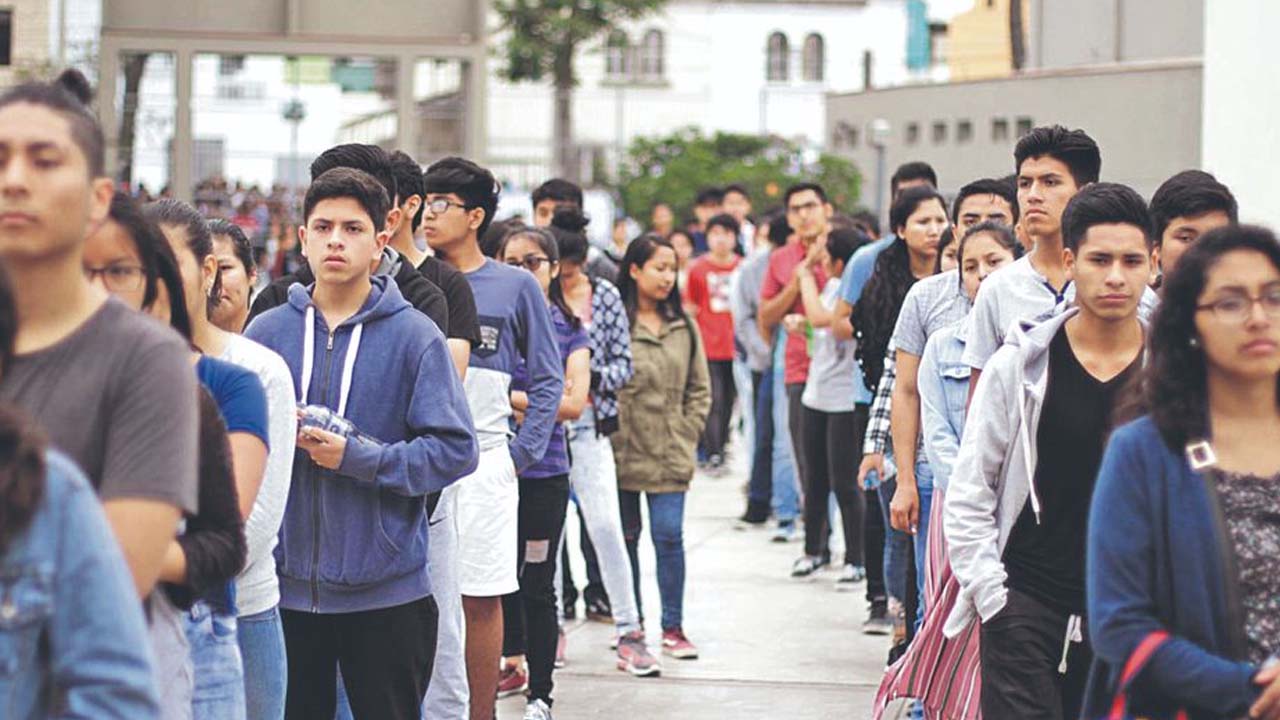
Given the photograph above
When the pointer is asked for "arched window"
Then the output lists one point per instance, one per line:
(778, 54)
(617, 56)
(652, 51)
(814, 59)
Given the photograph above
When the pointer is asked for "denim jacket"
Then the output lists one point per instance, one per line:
(73, 641)
(943, 384)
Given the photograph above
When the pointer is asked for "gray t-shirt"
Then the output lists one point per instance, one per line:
(118, 396)
(931, 304)
(829, 387)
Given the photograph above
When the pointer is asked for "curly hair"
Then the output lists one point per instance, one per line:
(1174, 388)
(21, 447)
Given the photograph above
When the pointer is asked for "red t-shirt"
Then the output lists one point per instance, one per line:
(782, 266)
(708, 290)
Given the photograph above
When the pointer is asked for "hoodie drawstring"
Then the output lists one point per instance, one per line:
(1073, 635)
(1030, 462)
(308, 359)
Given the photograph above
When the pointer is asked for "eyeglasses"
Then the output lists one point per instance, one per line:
(531, 262)
(1238, 308)
(803, 208)
(117, 278)
(440, 206)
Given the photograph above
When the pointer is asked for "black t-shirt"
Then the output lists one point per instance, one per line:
(1046, 560)
(463, 321)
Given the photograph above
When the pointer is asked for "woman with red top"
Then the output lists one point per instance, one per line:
(708, 296)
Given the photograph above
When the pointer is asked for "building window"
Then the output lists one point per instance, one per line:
(964, 131)
(937, 43)
(913, 133)
(6, 37)
(652, 62)
(814, 58)
(617, 56)
(845, 135)
(1024, 126)
(999, 130)
(230, 64)
(939, 132)
(778, 58)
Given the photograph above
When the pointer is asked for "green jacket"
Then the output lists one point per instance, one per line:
(662, 410)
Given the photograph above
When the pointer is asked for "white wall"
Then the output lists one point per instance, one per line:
(1241, 140)
(715, 76)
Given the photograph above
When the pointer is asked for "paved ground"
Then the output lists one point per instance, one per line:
(771, 646)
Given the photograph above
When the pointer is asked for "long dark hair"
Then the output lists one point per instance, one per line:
(876, 312)
(170, 211)
(638, 253)
(547, 242)
(158, 261)
(21, 446)
(1174, 388)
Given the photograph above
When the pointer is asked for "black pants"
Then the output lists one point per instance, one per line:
(530, 626)
(385, 656)
(795, 424)
(1021, 650)
(760, 488)
(872, 525)
(723, 392)
(832, 459)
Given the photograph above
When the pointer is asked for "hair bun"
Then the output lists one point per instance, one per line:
(570, 218)
(74, 82)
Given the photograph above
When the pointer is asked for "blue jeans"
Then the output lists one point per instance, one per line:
(215, 660)
(896, 546)
(760, 488)
(666, 518)
(924, 486)
(266, 666)
(786, 493)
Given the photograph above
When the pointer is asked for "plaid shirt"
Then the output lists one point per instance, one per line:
(878, 439)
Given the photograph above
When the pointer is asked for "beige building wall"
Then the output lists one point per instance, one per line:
(30, 42)
(978, 44)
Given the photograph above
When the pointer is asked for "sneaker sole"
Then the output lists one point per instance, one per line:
(625, 666)
(512, 692)
(873, 630)
(680, 654)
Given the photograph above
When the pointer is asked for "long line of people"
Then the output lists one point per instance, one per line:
(1047, 415)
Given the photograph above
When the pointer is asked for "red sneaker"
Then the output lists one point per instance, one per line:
(675, 644)
(512, 680)
(634, 657)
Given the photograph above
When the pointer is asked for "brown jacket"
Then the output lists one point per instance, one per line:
(662, 410)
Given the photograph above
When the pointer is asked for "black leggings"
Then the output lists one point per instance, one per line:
(530, 626)
(831, 462)
(723, 393)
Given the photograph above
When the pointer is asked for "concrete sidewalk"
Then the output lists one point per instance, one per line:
(770, 646)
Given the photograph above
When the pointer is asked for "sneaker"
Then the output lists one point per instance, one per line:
(785, 533)
(561, 647)
(570, 610)
(806, 566)
(537, 710)
(512, 680)
(634, 657)
(675, 644)
(598, 609)
(850, 577)
(878, 622)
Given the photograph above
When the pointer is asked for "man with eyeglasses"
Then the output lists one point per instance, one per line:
(515, 325)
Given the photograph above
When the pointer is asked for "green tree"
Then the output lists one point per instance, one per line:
(673, 168)
(542, 37)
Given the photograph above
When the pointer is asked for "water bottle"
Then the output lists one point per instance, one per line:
(321, 417)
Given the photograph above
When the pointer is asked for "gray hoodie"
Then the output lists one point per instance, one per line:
(994, 471)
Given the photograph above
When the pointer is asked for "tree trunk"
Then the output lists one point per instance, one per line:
(566, 156)
(133, 66)
(1017, 37)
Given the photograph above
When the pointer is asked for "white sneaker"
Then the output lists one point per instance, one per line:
(850, 577)
(537, 710)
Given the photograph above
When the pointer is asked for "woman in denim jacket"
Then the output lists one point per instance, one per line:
(60, 654)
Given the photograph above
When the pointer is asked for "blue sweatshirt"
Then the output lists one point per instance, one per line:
(1164, 608)
(515, 324)
(356, 539)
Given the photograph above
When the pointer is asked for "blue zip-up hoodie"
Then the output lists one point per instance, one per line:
(356, 539)
(1165, 615)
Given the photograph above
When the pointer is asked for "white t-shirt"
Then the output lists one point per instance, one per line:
(829, 387)
(257, 588)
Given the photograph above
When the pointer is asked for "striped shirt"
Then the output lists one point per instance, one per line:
(556, 460)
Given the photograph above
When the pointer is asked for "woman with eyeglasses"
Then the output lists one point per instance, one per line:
(530, 626)
(1184, 533)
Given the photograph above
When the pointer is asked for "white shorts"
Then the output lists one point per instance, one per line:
(488, 514)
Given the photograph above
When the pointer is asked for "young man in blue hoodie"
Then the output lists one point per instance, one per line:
(1018, 503)
(352, 558)
(515, 324)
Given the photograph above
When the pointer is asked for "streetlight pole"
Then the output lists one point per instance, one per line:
(877, 135)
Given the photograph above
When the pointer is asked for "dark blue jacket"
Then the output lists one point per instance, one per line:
(356, 539)
(1164, 604)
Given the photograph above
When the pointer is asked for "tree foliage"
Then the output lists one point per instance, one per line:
(541, 35)
(672, 169)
